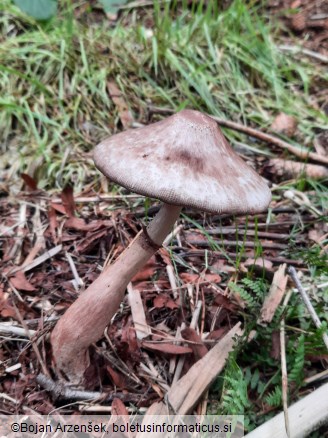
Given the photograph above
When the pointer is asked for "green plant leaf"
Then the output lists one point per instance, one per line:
(38, 9)
(112, 6)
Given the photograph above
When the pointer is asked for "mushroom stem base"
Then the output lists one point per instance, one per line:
(85, 321)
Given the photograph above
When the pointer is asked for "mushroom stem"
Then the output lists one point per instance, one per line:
(85, 321)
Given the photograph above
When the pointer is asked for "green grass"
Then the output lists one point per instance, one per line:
(54, 107)
(53, 77)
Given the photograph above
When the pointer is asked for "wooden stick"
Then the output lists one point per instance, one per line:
(305, 416)
(172, 280)
(138, 313)
(39, 260)
(284, 376)
(14, 330)
(77, 282)
(193, 325)
(275, 295)
(62, 392)
(307, 302)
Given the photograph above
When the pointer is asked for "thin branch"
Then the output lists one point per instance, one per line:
(307, 302)
(303, 51)
(61, 392)
(284, 376)
(14, 330)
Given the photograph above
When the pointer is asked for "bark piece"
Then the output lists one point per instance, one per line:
(189, 389)
(184, 395)
(166, 347)
(276, 293)
(138, 313)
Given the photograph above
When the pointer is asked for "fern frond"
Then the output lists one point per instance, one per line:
(274, 398)
(296, 373)
(234, 399)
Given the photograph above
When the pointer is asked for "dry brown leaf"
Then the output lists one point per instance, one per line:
(20, 282)
(197, 346)
(117, 378)
(275, 295)
(58, 207)
(80, 224)
(118, 408)
(68, 201)
(222, 301)
(144, 274)
(90, 240)
(165, 256)
(284, 124)
(194, 278)
(217, 334)
(122, 107)
(53, 223)
(29, 181)
(164, 301)
(166, 347)
(6, 310)
(275, 345)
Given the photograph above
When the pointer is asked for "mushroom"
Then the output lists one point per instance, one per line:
(183, 160)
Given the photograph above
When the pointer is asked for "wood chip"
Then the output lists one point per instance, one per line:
(197, 346)
(166, 347)
(138, 313)
(185, 394)
(276, 293)
(39, 260)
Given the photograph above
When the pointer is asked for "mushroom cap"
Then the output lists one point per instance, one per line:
(183, 160)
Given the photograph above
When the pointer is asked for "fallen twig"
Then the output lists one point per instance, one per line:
(318, 376)
(77, 282)
(305, 416)
(220, 255)
(38, 261)
(303, 51)
(33, 343)
(307, 302)
(284, 376)
(17, 331)
(61, 392)
(138, 313)
(172, 280)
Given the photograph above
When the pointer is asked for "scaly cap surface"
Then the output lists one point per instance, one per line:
(183, 160)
